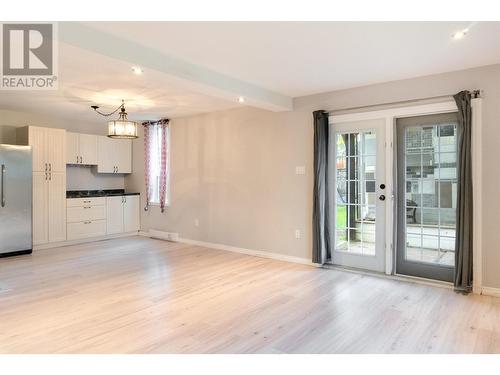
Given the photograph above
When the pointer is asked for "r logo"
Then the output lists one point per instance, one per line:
(27, 50)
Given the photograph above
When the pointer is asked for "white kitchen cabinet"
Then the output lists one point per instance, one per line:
(81, 148)
(40, 208)
(86, 229)
(114, 155)
(49, 182)
(123, 214)
(48, 147)
(72, 148)
(89, 201)
(114, 215)
(86, 217)
(49, 210)
(56, 150)
(57, 207)
(131, 213)
(36, 138)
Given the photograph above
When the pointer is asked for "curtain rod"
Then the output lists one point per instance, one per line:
(475, 94)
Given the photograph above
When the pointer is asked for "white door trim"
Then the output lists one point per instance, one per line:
(390, 115)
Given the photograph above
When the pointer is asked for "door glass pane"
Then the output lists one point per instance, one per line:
(431, 189)
(355, 192)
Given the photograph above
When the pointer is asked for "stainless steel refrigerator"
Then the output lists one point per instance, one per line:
(15, 200)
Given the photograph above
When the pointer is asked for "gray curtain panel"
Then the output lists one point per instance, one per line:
(463, 244)
(321, 236)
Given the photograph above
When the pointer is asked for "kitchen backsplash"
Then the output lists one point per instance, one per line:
(85, 178)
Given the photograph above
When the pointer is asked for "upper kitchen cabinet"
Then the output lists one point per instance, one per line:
(81, 148)
(114, 155)
(48, 147)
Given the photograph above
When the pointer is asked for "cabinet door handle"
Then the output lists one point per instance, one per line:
(3, 185)
(46, 167)
(50, 167)
(81, 159)
(50, 176)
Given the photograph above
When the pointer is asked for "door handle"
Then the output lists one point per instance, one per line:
(3, 186)
(382, 197)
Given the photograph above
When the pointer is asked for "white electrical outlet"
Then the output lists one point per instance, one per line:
(297, 234)
(300, 170)
(196, 222)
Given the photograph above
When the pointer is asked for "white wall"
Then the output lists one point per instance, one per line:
(235, 170)
(86, 178)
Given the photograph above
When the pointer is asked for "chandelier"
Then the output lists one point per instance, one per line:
(122, 128)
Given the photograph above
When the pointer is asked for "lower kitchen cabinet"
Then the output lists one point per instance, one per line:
(131, 213)
(114, 215)
(122, 214)
(86, 229)
(100, 216)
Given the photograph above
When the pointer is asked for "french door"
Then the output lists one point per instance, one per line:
(427, 195)
(358, 197)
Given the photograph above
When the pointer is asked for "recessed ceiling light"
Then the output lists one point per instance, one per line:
(137, 70)
(241, 99)
(460, 34)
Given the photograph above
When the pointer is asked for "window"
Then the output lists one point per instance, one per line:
(155, 134)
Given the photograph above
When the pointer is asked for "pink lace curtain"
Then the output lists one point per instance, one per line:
(155, 161)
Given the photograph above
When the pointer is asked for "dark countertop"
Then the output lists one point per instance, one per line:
(97, 193)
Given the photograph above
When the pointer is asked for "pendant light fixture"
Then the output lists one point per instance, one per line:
(122, 128)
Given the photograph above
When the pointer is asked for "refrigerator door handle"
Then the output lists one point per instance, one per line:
(2, 198)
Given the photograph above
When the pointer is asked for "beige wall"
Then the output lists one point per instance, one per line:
(235, 170)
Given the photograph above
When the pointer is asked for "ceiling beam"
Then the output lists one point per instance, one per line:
(195, 77)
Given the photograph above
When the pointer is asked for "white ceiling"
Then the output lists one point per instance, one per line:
(271, 61)
(301, 58)
(86, 78)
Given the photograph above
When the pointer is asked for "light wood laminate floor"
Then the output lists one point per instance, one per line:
(139, 295)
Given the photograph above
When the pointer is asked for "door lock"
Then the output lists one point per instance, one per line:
(382, 197)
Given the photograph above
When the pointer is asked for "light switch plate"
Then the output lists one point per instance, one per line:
(300, 170)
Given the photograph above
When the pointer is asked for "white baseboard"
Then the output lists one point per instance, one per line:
(234, 249)
(256, 253)
(83, 240)
(493, 292)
